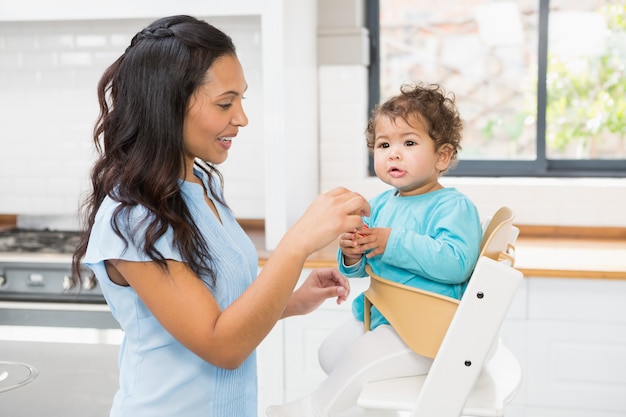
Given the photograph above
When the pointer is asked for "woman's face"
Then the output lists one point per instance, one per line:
(215, 113)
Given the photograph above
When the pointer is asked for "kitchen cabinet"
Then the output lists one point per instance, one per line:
(569, 335)
(576, 347)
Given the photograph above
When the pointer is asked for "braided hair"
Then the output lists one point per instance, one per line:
(143, 98)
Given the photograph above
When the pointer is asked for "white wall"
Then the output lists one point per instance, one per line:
(314, 140)
(48, 76)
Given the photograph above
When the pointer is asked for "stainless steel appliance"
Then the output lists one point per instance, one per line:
(58, 344)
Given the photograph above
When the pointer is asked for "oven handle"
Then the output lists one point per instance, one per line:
(27, 305)
(80, 315)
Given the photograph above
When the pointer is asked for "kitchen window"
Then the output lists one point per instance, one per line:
(540, 84)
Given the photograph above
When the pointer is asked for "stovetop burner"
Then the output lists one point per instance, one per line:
(38, 241)
(36, 265)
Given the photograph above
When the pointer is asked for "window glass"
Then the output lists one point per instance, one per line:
(541, 84)
(586, 85)
(484, 52)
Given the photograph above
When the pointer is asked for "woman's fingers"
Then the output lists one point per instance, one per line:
(331, 214)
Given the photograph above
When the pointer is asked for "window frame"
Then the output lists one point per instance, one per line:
(539, 167)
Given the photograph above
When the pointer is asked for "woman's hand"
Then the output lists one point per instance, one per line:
(320, 285)
(332, 213)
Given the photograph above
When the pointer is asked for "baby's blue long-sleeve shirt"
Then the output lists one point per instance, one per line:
(433, 245)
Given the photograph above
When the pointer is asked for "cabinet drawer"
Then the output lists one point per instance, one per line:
(581, 300)
(577, 365)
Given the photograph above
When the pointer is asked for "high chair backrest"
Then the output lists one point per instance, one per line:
(421, 318)
(499, 235)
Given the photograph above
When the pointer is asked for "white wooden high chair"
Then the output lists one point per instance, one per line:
(473, 373)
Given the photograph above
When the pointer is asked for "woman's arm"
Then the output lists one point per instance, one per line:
(186, 308)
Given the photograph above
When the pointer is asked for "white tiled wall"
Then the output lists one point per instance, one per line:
(48, 74)
(343, 116)
(48, 106)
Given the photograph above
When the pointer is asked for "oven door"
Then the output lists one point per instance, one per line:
(57, 359)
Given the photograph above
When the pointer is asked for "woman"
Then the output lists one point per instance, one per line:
(177, 271)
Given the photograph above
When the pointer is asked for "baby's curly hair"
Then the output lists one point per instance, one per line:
(429, 104)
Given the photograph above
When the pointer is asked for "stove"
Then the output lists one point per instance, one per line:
(38, 241)
(35, 265)
(54, 336)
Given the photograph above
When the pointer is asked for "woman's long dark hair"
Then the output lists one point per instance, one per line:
(143, 99)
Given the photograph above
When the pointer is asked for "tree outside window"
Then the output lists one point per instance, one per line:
(586, 100)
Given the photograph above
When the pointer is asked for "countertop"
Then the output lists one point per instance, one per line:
(541, 251)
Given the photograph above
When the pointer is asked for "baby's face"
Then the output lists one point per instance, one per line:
(405, 156)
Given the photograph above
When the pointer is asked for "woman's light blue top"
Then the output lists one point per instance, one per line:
(159, 377)
(433, 245)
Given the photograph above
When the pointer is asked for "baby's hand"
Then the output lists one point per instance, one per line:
(373, 241)
(349, 245)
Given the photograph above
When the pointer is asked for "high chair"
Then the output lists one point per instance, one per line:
(473, 373)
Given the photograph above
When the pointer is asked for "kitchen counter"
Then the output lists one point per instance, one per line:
(7, 221)
(571, 258)
(542, 251)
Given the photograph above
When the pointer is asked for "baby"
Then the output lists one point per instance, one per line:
(418, 234)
